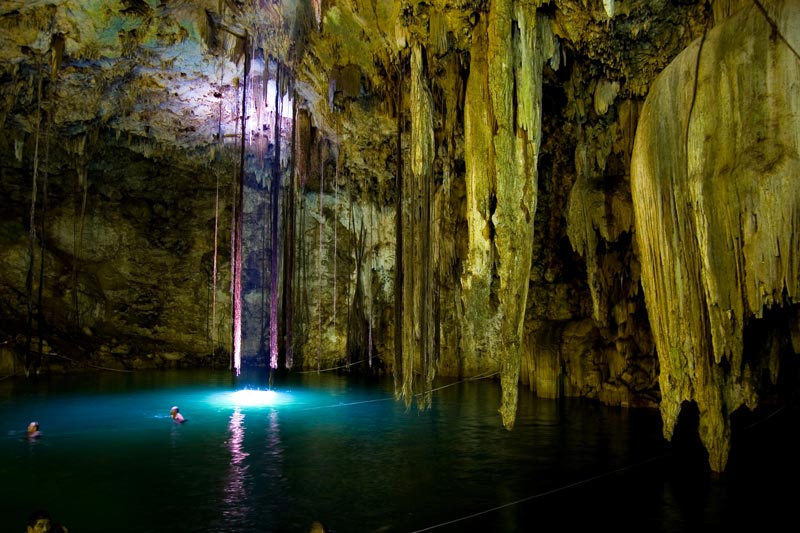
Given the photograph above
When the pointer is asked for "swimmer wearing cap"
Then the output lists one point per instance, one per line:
(176, 415)
(33, 430)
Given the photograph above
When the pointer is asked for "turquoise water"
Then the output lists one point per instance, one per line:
(343, 451)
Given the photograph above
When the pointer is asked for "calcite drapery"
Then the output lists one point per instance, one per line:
(502, 142)
(717, 209)
(417, 290)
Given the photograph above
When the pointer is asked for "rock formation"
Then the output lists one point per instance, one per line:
(716, 207)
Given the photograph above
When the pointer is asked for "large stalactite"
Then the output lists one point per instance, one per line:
(502, 146)
(717, 209)
(417, 293)
(476, 321)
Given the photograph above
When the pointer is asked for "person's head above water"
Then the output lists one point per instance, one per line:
(175, 414)
(39, 522)
(33, 429)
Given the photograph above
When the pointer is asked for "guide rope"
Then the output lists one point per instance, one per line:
(577, 483)
(542, 494)
(84, 363)
(328, 369)
(474, 378)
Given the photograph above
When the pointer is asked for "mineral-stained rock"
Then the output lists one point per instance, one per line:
(717, 209)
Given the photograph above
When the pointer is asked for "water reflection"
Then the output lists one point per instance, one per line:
(237, 437)
(273, 436)
(174, 437)
(235, 487)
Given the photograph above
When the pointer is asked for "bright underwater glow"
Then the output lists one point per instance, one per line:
(249, 397)
(253, 398)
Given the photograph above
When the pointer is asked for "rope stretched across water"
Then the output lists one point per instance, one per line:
(319, 371)
(387, 398)
(573, 485)
(509, 504)
(84, 363)
(541, 494)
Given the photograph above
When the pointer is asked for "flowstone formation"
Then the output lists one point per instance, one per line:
(714, 182)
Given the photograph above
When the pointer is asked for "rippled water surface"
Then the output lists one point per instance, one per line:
(343, 451)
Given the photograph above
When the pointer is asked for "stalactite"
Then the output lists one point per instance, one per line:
(444, 226)
(275, 244)
(266, 285)
(319, 257)
(238, 225)
(56, 54)
(32, 234)
(608, 5)
(303, 310)
(427, 303)
(370, 298)
(438, 33)
(501, 146)
(303, 273)
(477, 324)
(289, 246)
(355, 317)
(43, 225)
(335, 225)
(266, 229)
(713, 182)
(399, 371)
(234, 216)
(500, 58)
(77, 246)
(214, 273)
(351, 309)
(418, 287)
(218, 153)
(264, 281)
(515, 93)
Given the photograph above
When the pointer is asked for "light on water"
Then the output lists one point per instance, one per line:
(251, 398)
(258, 398)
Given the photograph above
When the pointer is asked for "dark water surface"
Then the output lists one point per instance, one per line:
(343, 451)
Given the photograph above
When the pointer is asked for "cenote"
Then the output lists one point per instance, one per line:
(342, 451)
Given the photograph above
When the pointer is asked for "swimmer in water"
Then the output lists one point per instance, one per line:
(176, 415)
(33, 430)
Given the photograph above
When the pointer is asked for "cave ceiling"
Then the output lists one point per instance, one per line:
(162, 77)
